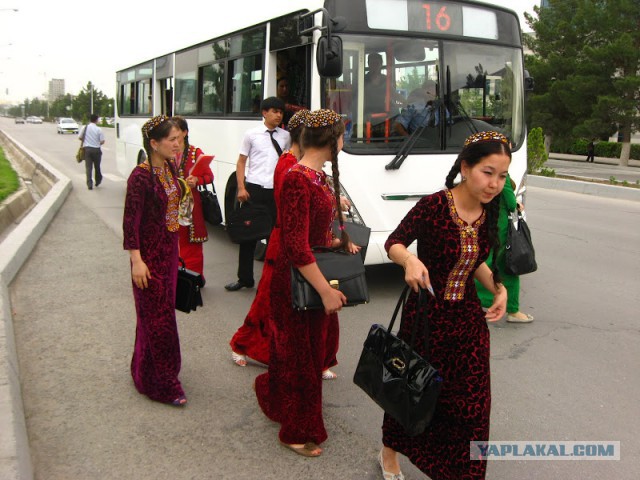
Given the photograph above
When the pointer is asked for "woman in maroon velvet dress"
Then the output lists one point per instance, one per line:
(192, 236)
(150, 227)
(290, 393)
(253, 338)
(454, 229)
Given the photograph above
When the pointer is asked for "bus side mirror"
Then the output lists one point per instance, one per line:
(529, 82)
(329, 56)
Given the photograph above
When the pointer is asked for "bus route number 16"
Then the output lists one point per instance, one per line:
(442, 19)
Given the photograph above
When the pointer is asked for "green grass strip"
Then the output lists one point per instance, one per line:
(8, 177)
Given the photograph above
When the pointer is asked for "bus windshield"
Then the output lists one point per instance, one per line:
(432, 93)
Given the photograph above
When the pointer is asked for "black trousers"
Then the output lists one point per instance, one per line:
(92, 159)
(262, 196)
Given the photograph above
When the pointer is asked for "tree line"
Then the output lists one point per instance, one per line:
(77, 107)
(586, 66)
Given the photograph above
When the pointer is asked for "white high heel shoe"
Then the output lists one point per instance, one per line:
(388, 475)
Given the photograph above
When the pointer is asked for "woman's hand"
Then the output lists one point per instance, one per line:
(333, 300)
(416, 274)
(345, 204)
(353, 248)
(497, 310)
(140, 274)
(192, 181)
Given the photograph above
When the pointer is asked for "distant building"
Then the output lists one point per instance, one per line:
(56, 89)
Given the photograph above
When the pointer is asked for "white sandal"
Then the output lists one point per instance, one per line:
(238, 359)
(329, 375)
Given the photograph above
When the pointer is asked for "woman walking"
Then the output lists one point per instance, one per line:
(454, 229)
(290, 393)
(150, 228)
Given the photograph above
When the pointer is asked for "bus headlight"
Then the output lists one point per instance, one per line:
(351, 215)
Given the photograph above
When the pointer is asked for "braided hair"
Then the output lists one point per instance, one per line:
(323, 128)
(477, 147)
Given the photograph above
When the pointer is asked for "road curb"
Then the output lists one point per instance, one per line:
(15, 455)
(586, 188)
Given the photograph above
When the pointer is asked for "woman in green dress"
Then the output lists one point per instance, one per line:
(508, 204)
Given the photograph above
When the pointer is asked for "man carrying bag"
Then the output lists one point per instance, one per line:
(259, 152)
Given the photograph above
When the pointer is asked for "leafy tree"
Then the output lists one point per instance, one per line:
(536, 155)
(587, 69)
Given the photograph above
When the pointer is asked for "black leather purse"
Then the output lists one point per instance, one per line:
(188, 295)
(519, 255)
(399, 380)
(210, 205)
(249, 222)
(343, 271)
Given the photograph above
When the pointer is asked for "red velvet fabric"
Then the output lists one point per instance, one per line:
(253, 337)
(459, 348)
(193, 236)
(156, 357)
(290, 393)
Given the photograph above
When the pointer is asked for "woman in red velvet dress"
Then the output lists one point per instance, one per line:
(150, 227)
(290, 393)
(454, 229)
(192, 236)
(253, 338)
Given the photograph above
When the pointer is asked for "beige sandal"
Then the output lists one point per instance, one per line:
(239, 359)
(309, 449)
(329, 375)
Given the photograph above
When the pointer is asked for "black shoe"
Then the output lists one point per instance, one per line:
(90, 188)
(98, 184)
(235, 286)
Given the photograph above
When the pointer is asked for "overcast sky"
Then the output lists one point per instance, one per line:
(81, 40)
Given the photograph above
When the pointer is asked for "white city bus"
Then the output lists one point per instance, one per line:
(469, 53)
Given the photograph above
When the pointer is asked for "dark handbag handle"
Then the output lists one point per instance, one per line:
(420, 305)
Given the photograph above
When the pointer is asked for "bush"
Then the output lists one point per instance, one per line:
(9, 182)
(603, 149)
(536, 155)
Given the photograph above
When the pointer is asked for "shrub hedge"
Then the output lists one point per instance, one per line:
(603, 149)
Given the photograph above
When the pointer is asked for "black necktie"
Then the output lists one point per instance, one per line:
(276, 145)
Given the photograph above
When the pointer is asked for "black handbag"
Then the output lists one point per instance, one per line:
(188, 295)
(249, 222)
(210, 205)
(519, 255)
(399, 380)
(359, 235)
(343, 271)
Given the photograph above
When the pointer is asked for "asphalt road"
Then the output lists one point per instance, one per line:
(570, 375)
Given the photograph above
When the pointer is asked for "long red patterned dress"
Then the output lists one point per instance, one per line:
(459, 342)
(253, 337)
(193, 236)
(150, 224)
(290, 393)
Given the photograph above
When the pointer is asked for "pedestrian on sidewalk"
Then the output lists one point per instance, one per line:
(591, 149)
(259, 152)
(92, 139)
(508, 204)
(194, 235)
(150, 227)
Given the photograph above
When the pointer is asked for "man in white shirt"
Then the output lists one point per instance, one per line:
(259, 152)
(92, 139)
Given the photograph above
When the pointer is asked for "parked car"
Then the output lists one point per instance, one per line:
(34, 119)
(67, 125)
(19, 120)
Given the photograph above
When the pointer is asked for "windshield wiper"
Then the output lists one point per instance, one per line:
(405, 149)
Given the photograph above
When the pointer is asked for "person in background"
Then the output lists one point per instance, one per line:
(455, 229)
(591, 150)
(192, 236)
(150, 228)
(508, 204)
(92, 140)
(290, 103)
(259, 152)
(290, 393)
